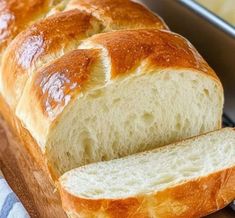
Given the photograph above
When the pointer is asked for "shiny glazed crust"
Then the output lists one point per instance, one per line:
(195, 198)
(16, 15)
(51, 37)
(41, 43)
(119, 14)
(159, 49)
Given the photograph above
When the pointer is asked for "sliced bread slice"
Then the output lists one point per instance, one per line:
(191, 178)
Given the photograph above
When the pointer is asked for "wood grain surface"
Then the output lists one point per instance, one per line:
(31, 184)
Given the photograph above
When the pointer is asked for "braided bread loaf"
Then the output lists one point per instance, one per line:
(97, 80)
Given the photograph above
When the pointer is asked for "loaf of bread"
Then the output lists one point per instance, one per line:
(192, 178)
(97, 80)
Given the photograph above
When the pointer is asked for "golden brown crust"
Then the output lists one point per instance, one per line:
(55, 85)
(16, 15)
(195, 198)
(40, 44)
(159, 49)
(119, 14)
(50, 38)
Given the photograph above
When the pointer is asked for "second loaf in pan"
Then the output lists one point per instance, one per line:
(86, 97)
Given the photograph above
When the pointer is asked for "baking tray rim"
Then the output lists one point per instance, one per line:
(209, 16)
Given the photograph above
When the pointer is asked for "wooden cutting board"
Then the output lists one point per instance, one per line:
(32, 185)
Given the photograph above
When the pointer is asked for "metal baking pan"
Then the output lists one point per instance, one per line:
(212, 36)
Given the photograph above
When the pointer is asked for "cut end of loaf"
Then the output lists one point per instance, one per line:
(192, 178)
(134, 114)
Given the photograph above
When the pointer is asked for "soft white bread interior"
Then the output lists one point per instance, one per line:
(133, 115)
(120, 93)
(191, 178)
